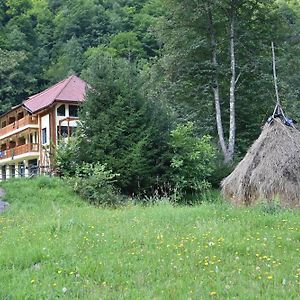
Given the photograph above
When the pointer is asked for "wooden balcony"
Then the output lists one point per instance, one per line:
(11, 153)
(27, 120)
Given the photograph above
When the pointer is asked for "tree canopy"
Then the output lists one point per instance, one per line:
(208, 62)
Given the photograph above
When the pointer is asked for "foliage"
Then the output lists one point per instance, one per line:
(193, 160)
(93, 182)
(46, 40)
(127, 45)
(66, 156)
(10, 65)
(186, 67)
(53, 36)
(221, 170)
(122, 129)
(270, 206)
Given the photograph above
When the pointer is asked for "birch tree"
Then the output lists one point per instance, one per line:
(227, 149)
(217, 59)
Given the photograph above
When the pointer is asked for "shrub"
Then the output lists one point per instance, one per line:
(192, 162)
(221, 171)
(94, 183)
(66, 156)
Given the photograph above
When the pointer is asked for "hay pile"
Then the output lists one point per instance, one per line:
(270, 169)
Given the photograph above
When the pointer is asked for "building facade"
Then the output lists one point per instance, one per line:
(30, 131)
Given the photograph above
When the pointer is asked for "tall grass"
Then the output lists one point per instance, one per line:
(54, 245)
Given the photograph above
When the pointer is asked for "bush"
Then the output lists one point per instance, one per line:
(94, 183)
(221, 171)
(192, 162)
(66, 156)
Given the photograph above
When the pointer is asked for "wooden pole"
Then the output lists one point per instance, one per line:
(275, 76)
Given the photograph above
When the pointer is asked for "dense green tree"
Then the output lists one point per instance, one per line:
(84, 19)
(69, 62)
(10, 62)
(288, 64)
(127, 45)
(23, 31)
(55, 34)
(122, 129)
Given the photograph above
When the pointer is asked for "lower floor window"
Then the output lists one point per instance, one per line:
(44, 135)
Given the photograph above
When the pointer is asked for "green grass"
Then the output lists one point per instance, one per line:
(53, 245)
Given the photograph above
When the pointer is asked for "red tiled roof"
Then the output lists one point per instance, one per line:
(71, 89)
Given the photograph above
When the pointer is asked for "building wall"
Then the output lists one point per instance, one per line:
(45, 123)
(60, 120)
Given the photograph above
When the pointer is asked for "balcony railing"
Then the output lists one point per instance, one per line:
(27, 120)
(26, 148)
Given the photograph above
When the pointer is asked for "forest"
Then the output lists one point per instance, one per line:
(180, 89)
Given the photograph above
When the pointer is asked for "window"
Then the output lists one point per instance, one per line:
(44, 135)
(3, 172)
(21, 169)
(63, 131)
(61, 110)
(20, 115)
(12, 144)
(73, 111)
(11, 120)
(73, 130)
(33, 167)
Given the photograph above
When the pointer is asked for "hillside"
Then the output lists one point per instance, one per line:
(44, 41)
(54, 245)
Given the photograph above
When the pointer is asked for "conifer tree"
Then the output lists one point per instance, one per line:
(122, 129)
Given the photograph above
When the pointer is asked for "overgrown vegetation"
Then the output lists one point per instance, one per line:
(94, 183)
(192, 162)
(54, 245)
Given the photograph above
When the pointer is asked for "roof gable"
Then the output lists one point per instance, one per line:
(71, 89)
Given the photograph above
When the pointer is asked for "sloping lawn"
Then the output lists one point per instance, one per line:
(53, 245)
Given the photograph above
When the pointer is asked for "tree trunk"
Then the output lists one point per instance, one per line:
(227, 150)
(215, 81)
(232, 125)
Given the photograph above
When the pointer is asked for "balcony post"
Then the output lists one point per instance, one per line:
(26, 166)
(7, 169)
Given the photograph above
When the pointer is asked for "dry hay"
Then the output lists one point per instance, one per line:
(270, 170)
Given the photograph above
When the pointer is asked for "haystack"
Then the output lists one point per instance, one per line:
(270, 170)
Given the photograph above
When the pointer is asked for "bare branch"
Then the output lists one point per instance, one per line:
(238, 77)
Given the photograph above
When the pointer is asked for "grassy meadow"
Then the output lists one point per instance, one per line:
(53, 245)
